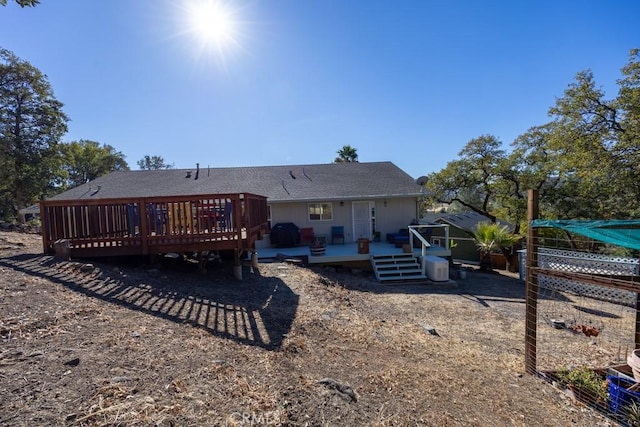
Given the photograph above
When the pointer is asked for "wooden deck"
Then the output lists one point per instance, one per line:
(154, 225)
(345, 253)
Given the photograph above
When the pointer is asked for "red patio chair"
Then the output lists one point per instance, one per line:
(307, 236)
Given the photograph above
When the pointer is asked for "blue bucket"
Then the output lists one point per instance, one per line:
(619, 396)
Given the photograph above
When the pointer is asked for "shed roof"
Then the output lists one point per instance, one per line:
(467, 221)
(333, 181)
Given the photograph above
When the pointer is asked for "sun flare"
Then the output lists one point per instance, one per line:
(212, 23)
(214, 28)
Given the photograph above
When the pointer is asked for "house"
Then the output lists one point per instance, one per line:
(29, 213)
(462, 226)
(366, 200)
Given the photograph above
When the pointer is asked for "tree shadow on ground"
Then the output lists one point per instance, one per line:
(256, 311)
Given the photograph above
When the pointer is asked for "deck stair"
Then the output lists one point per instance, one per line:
(397, 268)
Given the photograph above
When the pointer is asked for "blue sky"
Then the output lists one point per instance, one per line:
(404, 81)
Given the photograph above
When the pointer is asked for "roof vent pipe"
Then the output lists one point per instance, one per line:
(197, 170)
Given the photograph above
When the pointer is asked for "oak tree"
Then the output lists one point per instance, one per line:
(22, 3)
(153, 163)
(31, 125)
(87, 160)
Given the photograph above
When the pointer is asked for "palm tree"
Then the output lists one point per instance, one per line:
(489, 237)
(347, 154)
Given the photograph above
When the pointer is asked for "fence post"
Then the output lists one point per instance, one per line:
(531, 285)
(144, 225)
(637, 334)
(44, 227)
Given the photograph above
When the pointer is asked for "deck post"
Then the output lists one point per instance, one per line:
(202, 262)
(637, 334)
(254, 259)
(144, 226)
(237, 265)
(44, 228)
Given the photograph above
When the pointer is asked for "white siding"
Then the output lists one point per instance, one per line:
(398, 213)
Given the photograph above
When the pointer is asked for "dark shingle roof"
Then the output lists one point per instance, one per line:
(467, 221)
(277, 183)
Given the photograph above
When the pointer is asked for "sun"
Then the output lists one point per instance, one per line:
(214, 27)
(212, 23)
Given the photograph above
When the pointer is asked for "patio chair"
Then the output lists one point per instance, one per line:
(400, 238)
(307, 236)
(158, 218)
(133, 219)
(337, 232)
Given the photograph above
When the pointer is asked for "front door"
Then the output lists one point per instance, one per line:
(361, 220)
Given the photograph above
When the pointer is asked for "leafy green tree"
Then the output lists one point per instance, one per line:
(597, 141)
(539, 161)
(532, 164)
(473, 181)
(584, 161)
(86, 160)
(628, 143)
(628, 146)
(585, 134)
(629, 102)
(153, 163)
(22, 3)
(490, 237)
(31, 125)
(347, 154)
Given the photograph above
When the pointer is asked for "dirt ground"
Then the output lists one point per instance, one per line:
(92, 343)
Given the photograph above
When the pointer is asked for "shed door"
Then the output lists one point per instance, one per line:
(361, 220)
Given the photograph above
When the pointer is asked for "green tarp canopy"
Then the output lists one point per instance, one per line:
(625, 233)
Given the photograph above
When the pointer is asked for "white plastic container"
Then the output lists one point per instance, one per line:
(437, 268)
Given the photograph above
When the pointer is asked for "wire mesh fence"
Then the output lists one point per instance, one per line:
(583, 321)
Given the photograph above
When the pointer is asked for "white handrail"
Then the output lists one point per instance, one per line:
(413, 231)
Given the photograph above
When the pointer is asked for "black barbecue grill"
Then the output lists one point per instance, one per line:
(285, 235)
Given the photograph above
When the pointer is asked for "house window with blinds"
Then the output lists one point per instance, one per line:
(320, 212)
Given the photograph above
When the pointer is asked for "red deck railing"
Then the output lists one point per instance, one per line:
(141, 226)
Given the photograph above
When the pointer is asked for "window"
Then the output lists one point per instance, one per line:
(320, 212)
(373, 218)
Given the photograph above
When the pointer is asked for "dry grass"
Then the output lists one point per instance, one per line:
(289, 346)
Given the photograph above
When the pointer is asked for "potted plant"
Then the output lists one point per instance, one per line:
(586, 384)
(317, 248)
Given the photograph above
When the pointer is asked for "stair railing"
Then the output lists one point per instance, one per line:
(414, 230)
